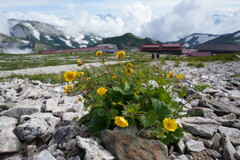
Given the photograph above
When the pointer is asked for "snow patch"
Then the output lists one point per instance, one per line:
(83, 46)
(80, 40)
(205, 38)
(67, 42)
(237, 35)
(26, 42)
(49, 38)
(186, 45)
(188, 38)
(36, 34)
(98, 38)
(68, 37)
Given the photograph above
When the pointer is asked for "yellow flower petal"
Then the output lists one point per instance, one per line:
(70, 76)
(98, 53)
(180, 76)
(170, 124)
(121, 122)
(121, 54)
(101, 91)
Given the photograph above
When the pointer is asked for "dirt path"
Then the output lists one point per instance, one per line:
(49, 69)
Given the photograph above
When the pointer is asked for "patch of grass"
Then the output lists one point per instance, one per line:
(177, 63)
(199, 87)
(197, 64)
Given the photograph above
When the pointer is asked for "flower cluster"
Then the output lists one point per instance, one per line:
(122, 95)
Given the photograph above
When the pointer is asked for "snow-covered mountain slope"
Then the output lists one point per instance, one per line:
(195, 39)
(47, 36)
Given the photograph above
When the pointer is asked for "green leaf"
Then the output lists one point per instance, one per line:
(149, 120)
(101, 111)
(98, 124)
(161, 109)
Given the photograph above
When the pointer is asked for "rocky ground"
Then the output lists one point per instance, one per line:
(36, 122)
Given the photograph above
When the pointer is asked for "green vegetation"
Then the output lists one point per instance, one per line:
(124, 94)
(197, 64)
(177, 63)
(199, 87)
(128, 41)
(22, 61)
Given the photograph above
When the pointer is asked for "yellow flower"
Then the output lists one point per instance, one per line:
(98, 53)
(121, 54)
(101, 91)
(88, 79)
(130, 65)
(70, 76)
(80, 74)
(114, 77)
(129, 71)
(180, 76)
(68, 88)
(121, 122)
(169, 75)
(170, 124)
(59, 77)
(79, 62)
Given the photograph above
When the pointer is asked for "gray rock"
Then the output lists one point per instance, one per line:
(231, 123)
(31, 130)
(31, 150)
(202, 112)
(237, 155)
(126, 146)
(234, 95)
(232, 133)
(69, 145)
(51, 104)
(74, 158)
(182, 157)
(93, 150)
(218, 107)
(9, 143)
(26, 107)
(181, 146)
(44, 155)
(58, 153)
(200, 126)
(64, 134)
(214, 153)
(38, 125)
(195, 146)
(194, 103)
(128, 130)
(15, 157)
(216, 139)
(52, 148)
(228, 149)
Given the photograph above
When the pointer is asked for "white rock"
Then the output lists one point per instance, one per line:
(93, 150)
(195, 146)
(44, 155)
(9, 143)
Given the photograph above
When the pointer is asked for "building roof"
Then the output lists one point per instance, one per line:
(171, 45)
(220, 47)
(151, 45)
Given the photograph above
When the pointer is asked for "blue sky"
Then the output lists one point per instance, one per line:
(158, 19)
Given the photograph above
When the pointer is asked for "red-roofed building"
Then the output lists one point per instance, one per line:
(163, 48)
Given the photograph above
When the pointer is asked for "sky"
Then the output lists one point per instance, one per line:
(164, 20)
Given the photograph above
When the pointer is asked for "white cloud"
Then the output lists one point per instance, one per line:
(4, 28)
(159, 19)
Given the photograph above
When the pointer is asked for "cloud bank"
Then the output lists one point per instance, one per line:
(188, 16)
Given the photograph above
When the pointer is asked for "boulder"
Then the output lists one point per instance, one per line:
(195, 146)
(203, 127)
(9, 142)
(93, 150)
(26, 107)
(233, 134)
(125, 146)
